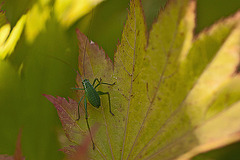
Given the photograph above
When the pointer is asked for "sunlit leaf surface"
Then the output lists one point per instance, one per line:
(68, 11)
(36, 21)
(176, 94)
(10, 43)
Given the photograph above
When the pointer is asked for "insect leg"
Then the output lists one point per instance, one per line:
(111, 84)
(79, 107)
(104, 83)
(96, 79)
(103, 93)
(86, 117)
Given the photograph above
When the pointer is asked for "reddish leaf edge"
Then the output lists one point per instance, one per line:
(80, 152)
(76, 152)
(18, 151)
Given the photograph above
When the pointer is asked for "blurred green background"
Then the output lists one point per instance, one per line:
(32, 69)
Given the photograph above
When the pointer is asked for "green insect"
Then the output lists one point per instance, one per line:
(93, 98)
(90, 95)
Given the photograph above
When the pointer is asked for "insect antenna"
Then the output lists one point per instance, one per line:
(85, 45)
(82, 77)
(59, 59)
(83, 67)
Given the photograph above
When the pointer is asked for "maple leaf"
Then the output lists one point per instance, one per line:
(176, 94)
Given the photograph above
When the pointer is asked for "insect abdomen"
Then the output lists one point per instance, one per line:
(92, 95)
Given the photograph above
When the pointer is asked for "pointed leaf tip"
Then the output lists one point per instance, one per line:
(67, 112)
(18, 151)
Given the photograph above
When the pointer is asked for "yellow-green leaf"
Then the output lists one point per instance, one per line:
(68, 11)
(9, 45)
(36, 20)
(176, 94)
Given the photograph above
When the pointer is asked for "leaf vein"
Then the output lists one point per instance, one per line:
(131, 84)
(108, 138)
(159, 82)
(129, 42)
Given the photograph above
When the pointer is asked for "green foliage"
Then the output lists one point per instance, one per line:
(176, 92)
(175, 96)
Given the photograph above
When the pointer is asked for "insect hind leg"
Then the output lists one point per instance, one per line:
(79, 108)
(104, 93)
(86, 117)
